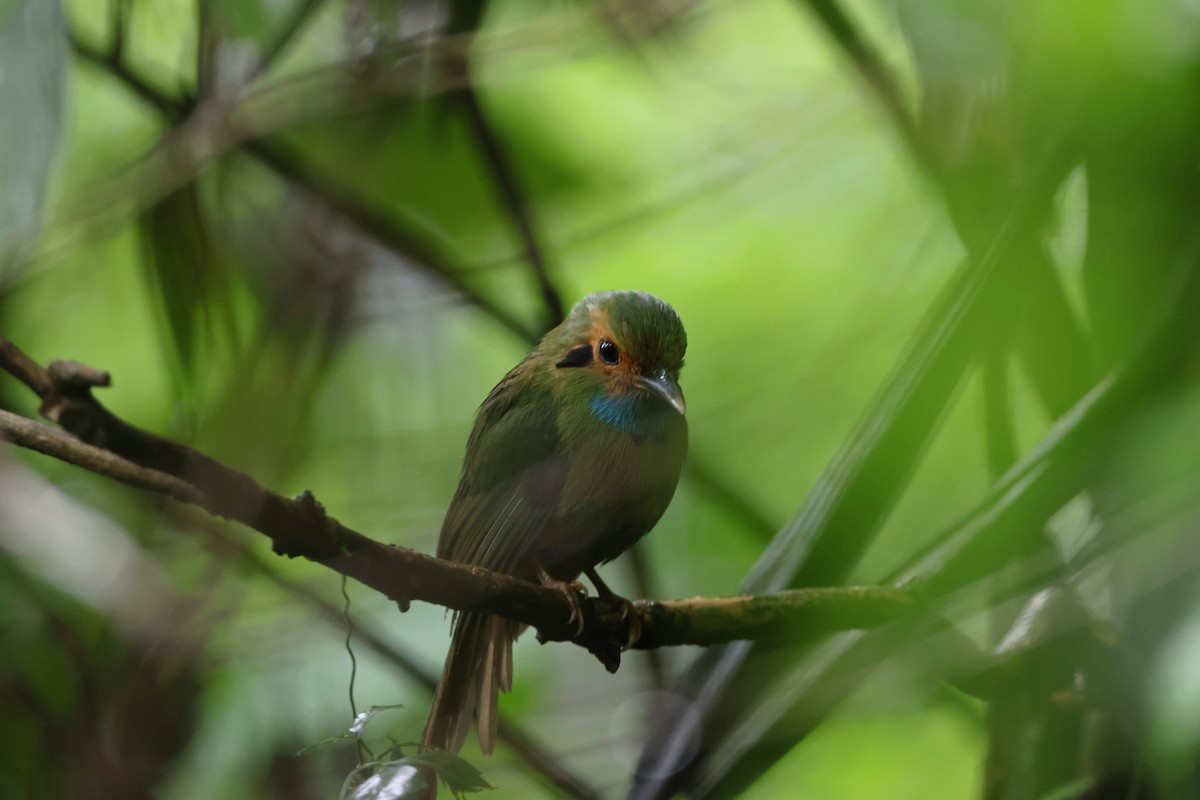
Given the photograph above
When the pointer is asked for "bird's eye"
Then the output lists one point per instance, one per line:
(608, 351)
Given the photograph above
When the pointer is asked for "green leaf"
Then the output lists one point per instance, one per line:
(841, 514)
(459, 776)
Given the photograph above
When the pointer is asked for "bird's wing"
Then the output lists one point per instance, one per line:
(512, 480)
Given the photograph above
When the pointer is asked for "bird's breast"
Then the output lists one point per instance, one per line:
(620, 480)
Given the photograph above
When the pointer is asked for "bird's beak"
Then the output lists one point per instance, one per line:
(666, 387)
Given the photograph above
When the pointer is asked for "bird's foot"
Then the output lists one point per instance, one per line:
(573, 591)
(628, 610)
(631, 618)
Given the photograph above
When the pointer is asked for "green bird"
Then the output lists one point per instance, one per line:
(574, 456)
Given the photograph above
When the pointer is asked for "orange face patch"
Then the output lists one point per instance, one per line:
(623, 374)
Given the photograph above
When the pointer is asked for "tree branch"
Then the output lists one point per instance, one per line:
(513, 198)
(384, 229)
(98, 441)
(113, 62)
(718, 620)
(874, 73)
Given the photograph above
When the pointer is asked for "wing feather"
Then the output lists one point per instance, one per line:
(512, 479)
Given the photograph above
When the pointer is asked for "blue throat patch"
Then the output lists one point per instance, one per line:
(624, 412)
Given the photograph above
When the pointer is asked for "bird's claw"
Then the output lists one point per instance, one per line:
(571, 592)
(627, 608)
(630, 616)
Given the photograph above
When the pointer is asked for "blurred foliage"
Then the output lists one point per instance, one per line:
(938, 261)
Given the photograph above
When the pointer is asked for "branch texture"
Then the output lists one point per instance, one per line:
(99, 442)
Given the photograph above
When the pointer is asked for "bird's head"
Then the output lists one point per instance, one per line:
(628, 345)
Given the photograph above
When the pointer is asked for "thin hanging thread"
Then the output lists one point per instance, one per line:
(363, 750)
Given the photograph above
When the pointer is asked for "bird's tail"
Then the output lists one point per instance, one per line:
(477, 669)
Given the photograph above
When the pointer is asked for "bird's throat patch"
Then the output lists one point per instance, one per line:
(624, 411)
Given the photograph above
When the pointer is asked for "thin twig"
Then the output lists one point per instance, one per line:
(51, 441)
(873, 72)
(514, 200)
(118, 24)
(24, 368)
(158, 99)
(407, 244)
(403, 241)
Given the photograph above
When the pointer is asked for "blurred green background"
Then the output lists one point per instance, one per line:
(939, 264)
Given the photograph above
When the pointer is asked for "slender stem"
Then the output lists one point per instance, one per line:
(874, 74)
(383, 229)
(118, 23)
(513, 198)
(174, 109)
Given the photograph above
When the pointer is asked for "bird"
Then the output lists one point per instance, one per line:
(573, 457)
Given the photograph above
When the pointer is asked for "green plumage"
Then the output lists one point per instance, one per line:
(574, 456)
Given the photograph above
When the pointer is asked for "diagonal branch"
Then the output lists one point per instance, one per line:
(385, 230)
(113, 62)
(400, 238)
(98, 441)
(873, 72)
(515, 203)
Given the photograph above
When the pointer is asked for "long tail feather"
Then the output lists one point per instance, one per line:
(478, 668)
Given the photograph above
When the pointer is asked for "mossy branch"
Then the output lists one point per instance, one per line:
(96, 440)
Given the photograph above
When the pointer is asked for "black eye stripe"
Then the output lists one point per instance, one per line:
(608, 352)
(579, 356)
